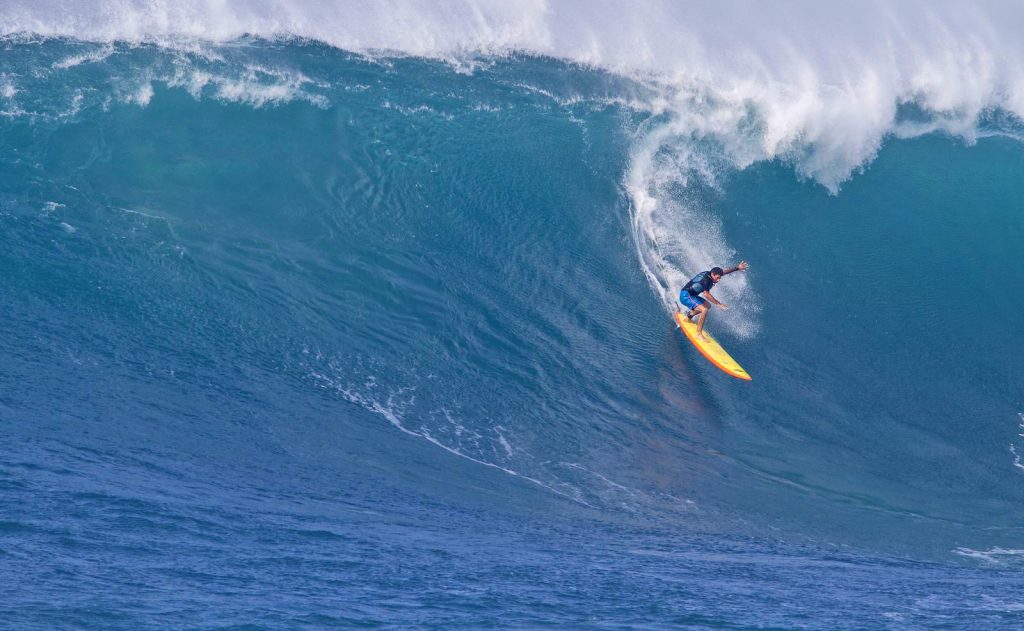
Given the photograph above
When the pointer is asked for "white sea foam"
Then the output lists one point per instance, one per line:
(505, 444)
(140, 94)
(1020, 434)
(993, 556)
(83, 58)
(817, 85)
(826, 74)
(256, 86)
(413, 111)
(7, 89)
(391, 409)
(825, 78)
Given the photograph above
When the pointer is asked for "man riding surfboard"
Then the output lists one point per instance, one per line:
(690, 294)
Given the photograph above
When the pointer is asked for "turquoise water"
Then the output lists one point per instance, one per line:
(299, 337)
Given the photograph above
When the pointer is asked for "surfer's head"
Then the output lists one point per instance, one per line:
(716, 273)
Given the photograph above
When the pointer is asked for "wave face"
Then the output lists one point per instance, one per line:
(322, 315)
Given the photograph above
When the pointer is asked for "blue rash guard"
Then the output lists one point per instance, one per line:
(691, 291)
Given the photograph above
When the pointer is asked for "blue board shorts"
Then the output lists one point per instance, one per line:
(690, 301)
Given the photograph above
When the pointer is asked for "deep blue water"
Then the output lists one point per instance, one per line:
(299, 338)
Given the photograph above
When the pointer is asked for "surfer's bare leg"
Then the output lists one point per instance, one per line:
(703, 311)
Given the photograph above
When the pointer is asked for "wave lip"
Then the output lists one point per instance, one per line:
(820, 87)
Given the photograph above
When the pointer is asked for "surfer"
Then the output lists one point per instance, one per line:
(690, 295)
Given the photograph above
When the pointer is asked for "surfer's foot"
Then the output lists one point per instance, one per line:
(690, 315)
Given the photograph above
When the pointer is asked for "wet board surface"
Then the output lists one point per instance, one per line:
(711, 349)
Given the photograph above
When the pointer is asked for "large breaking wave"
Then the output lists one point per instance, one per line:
(700, 96)
(817, 86)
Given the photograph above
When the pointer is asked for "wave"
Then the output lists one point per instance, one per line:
(818, 88)
(694, 98)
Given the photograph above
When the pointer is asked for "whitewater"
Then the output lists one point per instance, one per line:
(342, 314)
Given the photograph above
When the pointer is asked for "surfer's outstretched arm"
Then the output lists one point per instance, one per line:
(740, 267)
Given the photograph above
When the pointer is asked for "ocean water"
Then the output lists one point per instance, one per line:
(360, 316)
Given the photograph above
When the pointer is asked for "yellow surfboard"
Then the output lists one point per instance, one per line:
(709, 348)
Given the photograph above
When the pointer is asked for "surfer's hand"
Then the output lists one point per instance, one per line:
(722, 305)
(742, 266)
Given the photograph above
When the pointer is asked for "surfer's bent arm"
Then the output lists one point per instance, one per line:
(712, 299)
